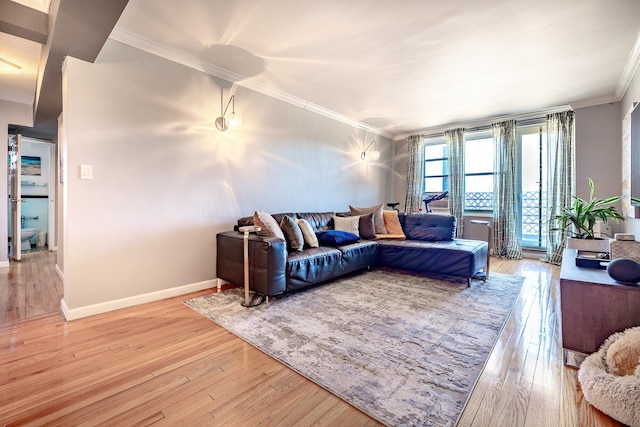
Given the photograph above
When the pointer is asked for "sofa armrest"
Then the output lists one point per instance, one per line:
(267, 261)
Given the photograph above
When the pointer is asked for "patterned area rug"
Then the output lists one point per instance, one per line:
(405, 349)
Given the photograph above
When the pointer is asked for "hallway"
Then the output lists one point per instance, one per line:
(30, 288)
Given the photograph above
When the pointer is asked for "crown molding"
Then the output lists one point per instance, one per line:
(633, 61)
(163, 51)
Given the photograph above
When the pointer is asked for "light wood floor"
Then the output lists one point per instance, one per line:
(163, 363)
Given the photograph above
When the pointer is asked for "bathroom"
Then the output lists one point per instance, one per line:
(35, 185)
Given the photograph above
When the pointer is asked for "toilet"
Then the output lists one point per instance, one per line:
(25, 235)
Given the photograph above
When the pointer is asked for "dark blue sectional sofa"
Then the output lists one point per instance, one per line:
(429, 248)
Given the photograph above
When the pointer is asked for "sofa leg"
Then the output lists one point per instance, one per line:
(468, 282)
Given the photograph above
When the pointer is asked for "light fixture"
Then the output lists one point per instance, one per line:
(7, 67)
(232, 120)
(373, 154)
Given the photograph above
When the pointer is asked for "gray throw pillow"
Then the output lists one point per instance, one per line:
(378, 219)
(292, 234)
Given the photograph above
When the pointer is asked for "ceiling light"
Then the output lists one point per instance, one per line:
(7, 67)
(373, 154)
(232, 120)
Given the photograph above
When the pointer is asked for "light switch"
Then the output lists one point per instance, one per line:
(86, 172)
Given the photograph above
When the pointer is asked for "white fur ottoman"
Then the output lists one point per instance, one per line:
(610, 377)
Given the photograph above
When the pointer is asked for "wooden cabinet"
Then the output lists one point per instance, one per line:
(593, 305)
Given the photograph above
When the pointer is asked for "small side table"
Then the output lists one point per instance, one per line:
(256, 299)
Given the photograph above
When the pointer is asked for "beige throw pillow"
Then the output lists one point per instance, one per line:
(268, 225)
(309, 235)
(347, 223)
(377, 216)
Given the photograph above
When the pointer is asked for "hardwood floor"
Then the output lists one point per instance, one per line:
(162, 363)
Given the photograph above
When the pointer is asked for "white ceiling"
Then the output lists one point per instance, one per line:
(20, 88)
(401, 66)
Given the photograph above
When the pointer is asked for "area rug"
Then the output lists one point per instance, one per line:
(403, 348)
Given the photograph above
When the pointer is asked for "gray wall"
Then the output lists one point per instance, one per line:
(598, 152)
(166, 181)
(632, 95)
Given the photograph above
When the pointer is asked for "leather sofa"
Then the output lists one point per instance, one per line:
(429, 248)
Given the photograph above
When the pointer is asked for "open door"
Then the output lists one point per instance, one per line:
(16, 195)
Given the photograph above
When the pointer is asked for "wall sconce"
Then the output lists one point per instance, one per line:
(7, 67)
(232, 120)
(373, 154)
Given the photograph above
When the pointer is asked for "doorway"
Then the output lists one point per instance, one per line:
(32, 195)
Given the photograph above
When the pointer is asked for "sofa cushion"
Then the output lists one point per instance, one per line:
(292, 233)
(430, 227)
(336, 237)
(377, 216)
(347, 223)
(268, 225)
(392, 223)
(367, 226)
(307, 232)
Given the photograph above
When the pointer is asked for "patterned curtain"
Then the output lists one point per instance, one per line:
(561, 180)
(415, 175)
(506, 243)
(455, 147)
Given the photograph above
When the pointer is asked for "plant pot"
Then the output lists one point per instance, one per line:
(589, 245)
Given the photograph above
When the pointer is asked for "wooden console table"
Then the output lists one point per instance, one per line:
(593, 305)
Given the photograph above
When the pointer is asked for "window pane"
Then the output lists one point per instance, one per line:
(478, 156)
(435, 167)
(478, 192)
(435, 185)
(437, 151)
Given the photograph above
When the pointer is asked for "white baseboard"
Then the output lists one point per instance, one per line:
(59, 273)
(4, 264)
(103, 307)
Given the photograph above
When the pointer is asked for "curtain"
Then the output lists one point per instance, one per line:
(506, 242)
(561, 180)
(415, 175)
(455, 148)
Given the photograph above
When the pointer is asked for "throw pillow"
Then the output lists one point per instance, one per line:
(292, 233)
(268, 225)
(347, 223)
(392, 223)
(367, 226)
(377, 216)
(307, 231)
(336, 237)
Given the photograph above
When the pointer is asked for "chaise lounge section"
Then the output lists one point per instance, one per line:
(429, 248)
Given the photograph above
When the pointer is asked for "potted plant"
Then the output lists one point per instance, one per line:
(578, 220)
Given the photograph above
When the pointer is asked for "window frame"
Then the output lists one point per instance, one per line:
(475, 136)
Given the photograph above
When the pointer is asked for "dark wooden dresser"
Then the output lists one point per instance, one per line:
(593, 305)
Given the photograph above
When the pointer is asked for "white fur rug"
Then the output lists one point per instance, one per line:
(610, 377)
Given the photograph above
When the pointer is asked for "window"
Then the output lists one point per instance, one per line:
(436, 171)
(478, 171)
(533, 173)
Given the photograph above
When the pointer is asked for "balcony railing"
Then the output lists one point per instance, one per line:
(533, 217)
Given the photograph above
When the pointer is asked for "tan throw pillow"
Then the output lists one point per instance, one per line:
(392, 223)
(268, 225)
(310, 237)
(347, 223)
(623, 355)
(378, 220)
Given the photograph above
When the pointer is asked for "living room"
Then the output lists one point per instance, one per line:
(166, 181)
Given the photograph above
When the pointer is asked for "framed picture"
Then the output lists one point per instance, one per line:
(31, 165)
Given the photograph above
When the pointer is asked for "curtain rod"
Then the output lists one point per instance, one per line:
(523, 122)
